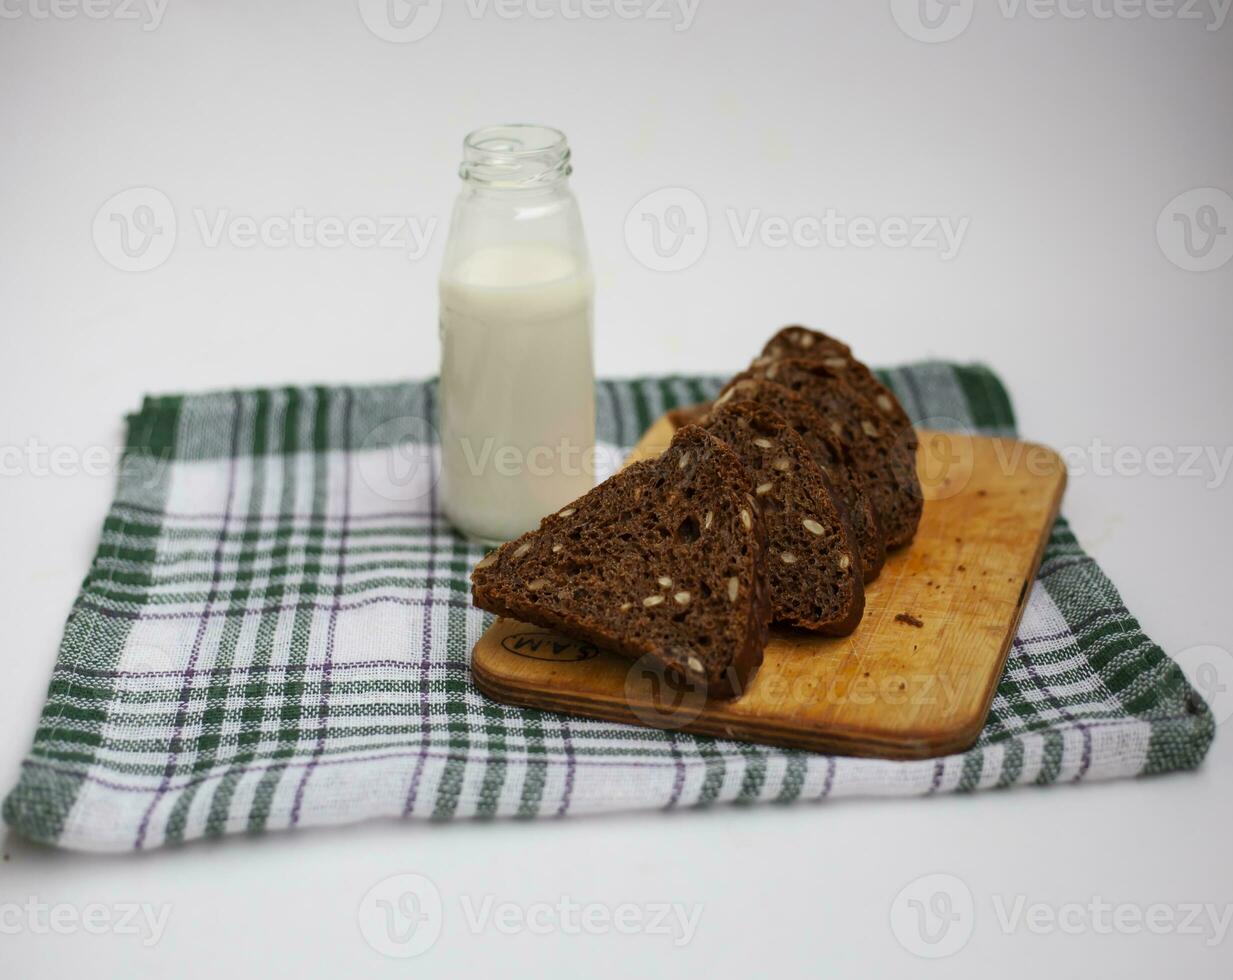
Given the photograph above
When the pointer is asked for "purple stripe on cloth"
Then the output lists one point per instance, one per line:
(678, 782)
(830, 778)
(429, 601)
(1074, 631)
(585, 763)
(239, 669)
(202, 626)
(323, 707)
(939, 770)
(1085, 762)
(445, 756)
(110, 613)
(391, 515)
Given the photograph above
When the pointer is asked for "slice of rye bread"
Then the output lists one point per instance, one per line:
(812, 562)
(885, 460)
(666, 559)
(833, 456)
(813, 345)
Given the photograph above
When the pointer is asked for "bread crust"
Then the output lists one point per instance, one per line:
(813, 345)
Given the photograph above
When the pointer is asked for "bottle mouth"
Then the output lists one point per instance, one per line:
(515, 155)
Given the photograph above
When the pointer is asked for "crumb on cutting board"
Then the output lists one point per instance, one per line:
(909, 620)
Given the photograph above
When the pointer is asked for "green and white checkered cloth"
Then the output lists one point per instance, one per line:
(276, 628)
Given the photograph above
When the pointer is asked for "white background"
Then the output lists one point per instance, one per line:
(1061, 140)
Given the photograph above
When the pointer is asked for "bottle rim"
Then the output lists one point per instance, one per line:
(515, 155)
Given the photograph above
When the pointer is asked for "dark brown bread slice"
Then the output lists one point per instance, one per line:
(833, 456)
(883, 455)
(798, 341)
(813, 345)
(812, 563)
(665, 559)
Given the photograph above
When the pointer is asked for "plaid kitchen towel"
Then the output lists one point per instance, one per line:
(276, 628)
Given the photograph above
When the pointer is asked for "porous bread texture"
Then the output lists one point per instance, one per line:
(665, 559)
(813, 567)
(884, 455)
(833, 457)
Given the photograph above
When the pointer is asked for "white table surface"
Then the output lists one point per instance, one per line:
(1061, 140)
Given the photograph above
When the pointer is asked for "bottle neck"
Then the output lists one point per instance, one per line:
(515, 158)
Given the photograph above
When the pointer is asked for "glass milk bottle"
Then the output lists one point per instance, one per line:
(517, 393)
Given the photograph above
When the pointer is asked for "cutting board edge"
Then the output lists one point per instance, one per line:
(830, 740)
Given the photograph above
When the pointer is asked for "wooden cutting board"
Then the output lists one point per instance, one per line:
(916, 678)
